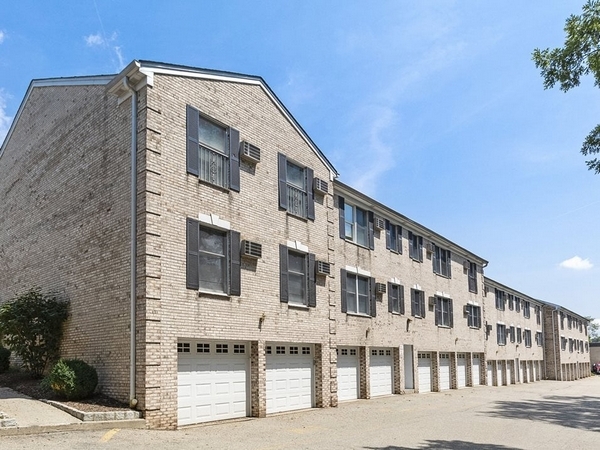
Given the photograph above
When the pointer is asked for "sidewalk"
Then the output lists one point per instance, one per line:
(24, 415)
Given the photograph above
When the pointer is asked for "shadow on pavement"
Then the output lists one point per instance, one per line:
(572, 412)
(439, 444)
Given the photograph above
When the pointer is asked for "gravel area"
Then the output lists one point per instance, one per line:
(25, 384)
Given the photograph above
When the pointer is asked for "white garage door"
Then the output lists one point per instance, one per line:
(424, 372)
(476, 370)
(212, 381)
(499, 373)
(510, 369)
(289, 377)
(347, 373)
(461, 370)
(381, 372)
(490, 380)
(535, 371)
(444, 371)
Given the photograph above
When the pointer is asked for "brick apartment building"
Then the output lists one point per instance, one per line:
(260, 282)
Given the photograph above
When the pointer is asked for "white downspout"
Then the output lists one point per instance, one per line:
(133, 250)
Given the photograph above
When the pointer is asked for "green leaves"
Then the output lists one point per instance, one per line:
(579, 57)
(31, 326)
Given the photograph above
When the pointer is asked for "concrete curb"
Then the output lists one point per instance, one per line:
(83, 426)
(96, 416)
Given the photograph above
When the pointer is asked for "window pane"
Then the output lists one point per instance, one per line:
(297, 288)
(296, 263)
(351, 302)
(349, 230)
(361, 235)
(212, 272)
(363, 286)
(213, 135)
(212, 241)
(363, 304)
(295, 176)
(361, 217)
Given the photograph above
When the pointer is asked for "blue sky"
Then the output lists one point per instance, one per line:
(432, 107)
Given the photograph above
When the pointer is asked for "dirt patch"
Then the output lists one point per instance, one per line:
(23, 382)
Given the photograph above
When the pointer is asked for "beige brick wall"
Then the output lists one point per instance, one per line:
(65, 223)
(176, 195)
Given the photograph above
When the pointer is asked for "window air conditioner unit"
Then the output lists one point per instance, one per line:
(466, 310)
(251, 249)
(432, 301)
(380, 288)
(379, 223)
(321, 186)
(323, 268)
(249, 152)
(466, 264)
(430, 247)
(488, 328)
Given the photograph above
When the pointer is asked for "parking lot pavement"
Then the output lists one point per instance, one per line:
(542, 415)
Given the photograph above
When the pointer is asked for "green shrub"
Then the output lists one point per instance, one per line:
(31, 326)
(4, 359)
(72, 379)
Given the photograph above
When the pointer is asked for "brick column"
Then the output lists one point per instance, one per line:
(398, 364)
(435, 372)
(364, 361)
(258, 379)
(453, 371)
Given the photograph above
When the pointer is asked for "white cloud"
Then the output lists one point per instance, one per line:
(5, 120)
(576, 263)
(94, 39)
(2, 36)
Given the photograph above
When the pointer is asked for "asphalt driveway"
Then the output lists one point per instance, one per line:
(542, 415)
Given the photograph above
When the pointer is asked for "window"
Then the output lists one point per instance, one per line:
(393, 237)
(571, 345)
(526, 310)
(395, 298)
(500, 304)
(511, 301)
(415, 246)
(563, 343)
(539, 338)
(527, 338)
(587, 347)
(444, 316)
(417, 303)
(569, 322)
(213, 259)
(183, 347)
(538, 314)
(473, 316)
(473, 277)
(517, 304)
(511, 334)
(519, 335)
(212, 151)
(501, 334)
(297, 285)
(442, 262)
(355, 225)
(358, 294)
(296, 188)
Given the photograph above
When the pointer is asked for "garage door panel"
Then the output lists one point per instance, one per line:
(424, 372)
(381, 372)
(289, 379)
(211, 386)
(461, 370)
(476, 370)
(444, 369)
(347, 373)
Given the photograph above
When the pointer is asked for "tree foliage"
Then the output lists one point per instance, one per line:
(31, 325)
(580, 56)
(593, 330)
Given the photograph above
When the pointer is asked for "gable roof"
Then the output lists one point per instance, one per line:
(141, 72)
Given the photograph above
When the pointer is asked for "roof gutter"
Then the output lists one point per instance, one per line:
(133, 246)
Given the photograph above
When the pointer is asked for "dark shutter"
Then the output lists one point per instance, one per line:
(372, 297)
(435, 260)
(193, 263)
(411, 249)
(371, 232)
(420, 249)
(341, 206)
(343, 279)
(449, 264)
(310, 212)
(399, 239)
(451, 313)
(413, 303)
(312, 283)
(234, 159)
(388, 234)
(192, 127)
(390, 298)
(283, 194)
(283, 273)
(235, 280)
(498, 334)
(401, 298)
(438, 312)
(422, 300)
